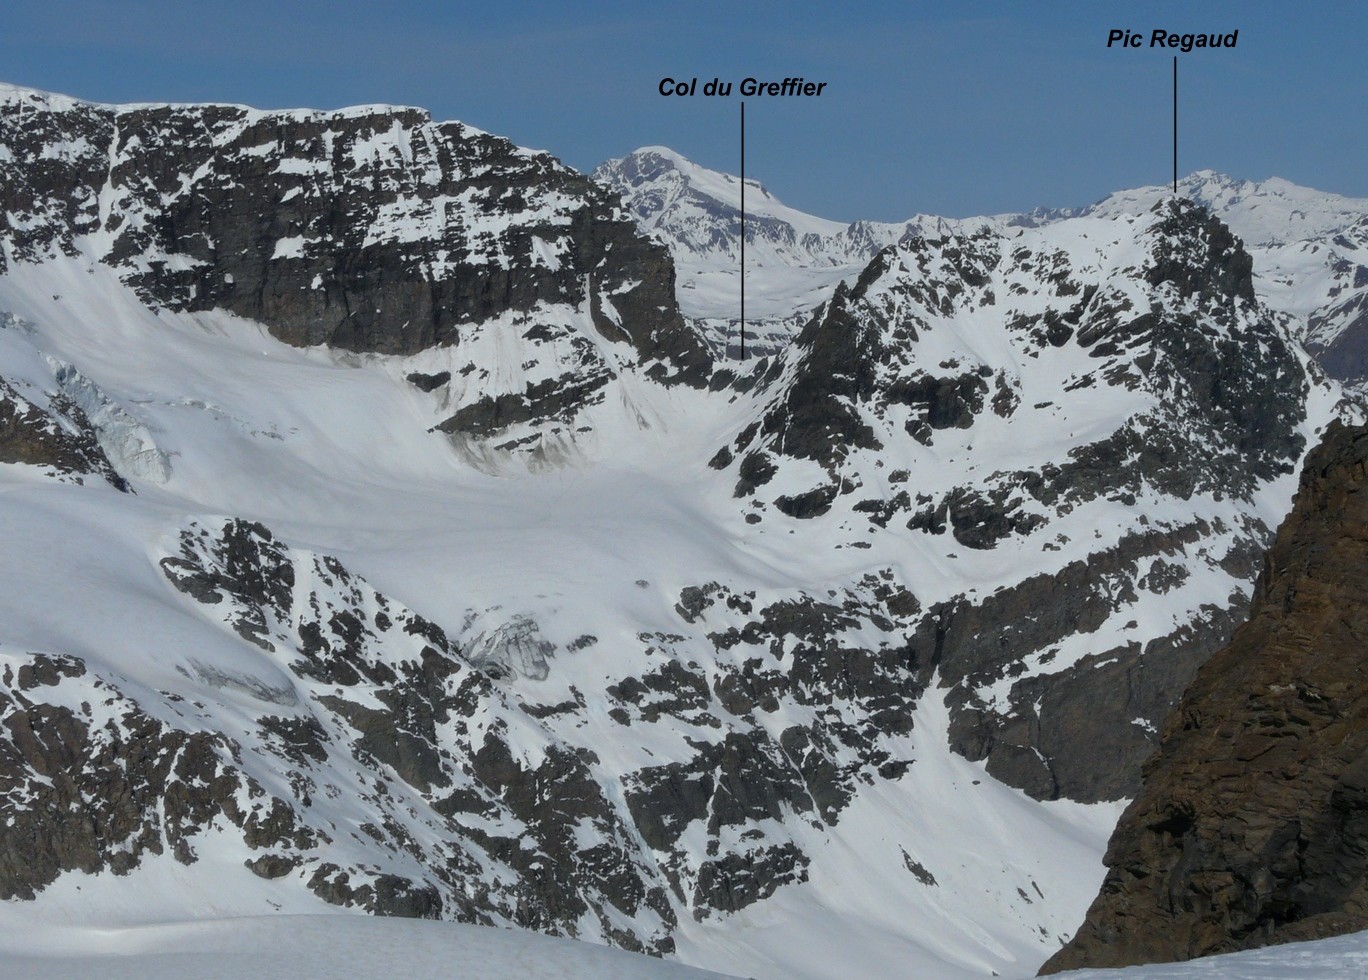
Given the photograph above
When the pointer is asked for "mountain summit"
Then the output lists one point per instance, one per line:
(1310, 248)
(794, 260)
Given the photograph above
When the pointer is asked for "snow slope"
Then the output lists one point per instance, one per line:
(335, 457)
(1341, 956)
(348, 946)
(328, 946)
(315, 946)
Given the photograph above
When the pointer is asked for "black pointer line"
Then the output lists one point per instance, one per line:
(1175, 125)
(743, 230)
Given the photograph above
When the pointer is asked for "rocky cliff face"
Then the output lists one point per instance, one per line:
(1337, 331)
(370, 229)
(1310, 251)
(918, 398)
(1249, 829)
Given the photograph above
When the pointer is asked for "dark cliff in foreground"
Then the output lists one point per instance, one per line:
(1252, 826)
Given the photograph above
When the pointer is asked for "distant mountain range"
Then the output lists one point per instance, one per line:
(1310, 248)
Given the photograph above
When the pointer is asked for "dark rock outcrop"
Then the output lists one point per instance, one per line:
(1082, 732)
(60, 438)
(1250, 828)
(388, 688)
(749, 766)
(99, 788)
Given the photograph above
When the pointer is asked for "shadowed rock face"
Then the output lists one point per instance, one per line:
(28, 434)
(95, 789)
(1252, 826)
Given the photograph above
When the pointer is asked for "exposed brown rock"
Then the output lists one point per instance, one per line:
(1252, 825)
(28, 434)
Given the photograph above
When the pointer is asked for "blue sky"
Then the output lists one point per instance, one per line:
(947, 108)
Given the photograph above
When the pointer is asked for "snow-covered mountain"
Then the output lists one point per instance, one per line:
(1263, 213)
(794, 260)
(1310, 252)
(1046, 404)
(510, 287)
(381, 537)
(1310, 248)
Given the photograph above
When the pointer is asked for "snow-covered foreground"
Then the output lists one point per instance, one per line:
(325, 947)
(1342, 957)
(343, 947)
